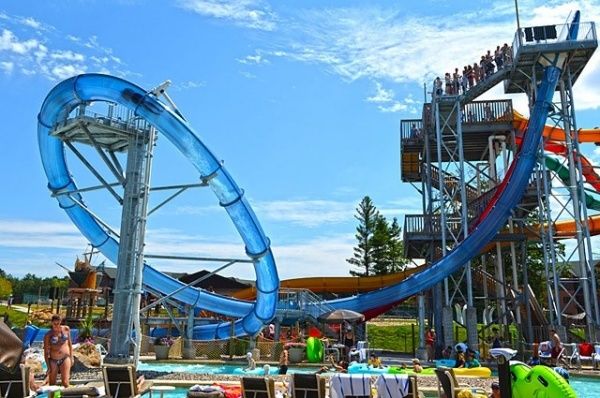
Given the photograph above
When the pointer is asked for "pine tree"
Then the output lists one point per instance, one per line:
(397, 262)
(367, 216)
(380, 246)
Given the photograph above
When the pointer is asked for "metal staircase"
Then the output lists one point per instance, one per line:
(452, 182)
(300, 304)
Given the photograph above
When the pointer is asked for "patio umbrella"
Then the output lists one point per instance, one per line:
(340, 316)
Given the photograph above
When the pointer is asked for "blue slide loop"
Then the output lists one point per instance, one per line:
(69, 94)
(487, 228)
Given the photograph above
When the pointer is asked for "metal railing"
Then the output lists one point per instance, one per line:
(114, 116)
(430, 224)
(411, 129)
(549, 34)
(495, 111)
(302, 301)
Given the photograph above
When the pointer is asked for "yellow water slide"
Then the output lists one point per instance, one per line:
(336, 284)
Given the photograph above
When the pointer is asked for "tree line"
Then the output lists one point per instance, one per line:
(30, 284)
(379, 249)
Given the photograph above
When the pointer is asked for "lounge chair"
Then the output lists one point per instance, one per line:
(397, 386)
(258, 387)
(344, 385)
(361, 352)
(81, 392)
(449, 385)
(306, 385)
(15, 384)
(120, 382)
(596, 360)
(582, 352)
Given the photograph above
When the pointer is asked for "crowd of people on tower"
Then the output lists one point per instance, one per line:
(458, 82)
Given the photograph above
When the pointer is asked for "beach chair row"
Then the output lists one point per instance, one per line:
(340, 386)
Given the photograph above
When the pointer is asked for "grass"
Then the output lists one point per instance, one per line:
(394, 337)
(16, 318)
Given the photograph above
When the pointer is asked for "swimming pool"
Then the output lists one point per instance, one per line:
(215, 369)
(584, 387)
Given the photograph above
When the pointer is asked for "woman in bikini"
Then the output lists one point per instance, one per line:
(58, 352)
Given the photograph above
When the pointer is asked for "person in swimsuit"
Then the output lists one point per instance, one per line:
(58, 351)
(284, 361)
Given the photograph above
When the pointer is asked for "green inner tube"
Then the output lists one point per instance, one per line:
(314, 350)
(539, 381)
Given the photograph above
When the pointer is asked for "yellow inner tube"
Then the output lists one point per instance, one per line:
(475, 372)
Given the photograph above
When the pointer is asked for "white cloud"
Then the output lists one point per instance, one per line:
(253, 59)
(381, 94)
(189, 84)
(43, 234)
(7, 67)
(322, 256)
(380, 43)
(311, 213)
(9, 42)
(252, 14)
(65, 71)
(32, 23)
(307, 213)
(35, 49)
(387, 103)
(68, 55)
(248, 75)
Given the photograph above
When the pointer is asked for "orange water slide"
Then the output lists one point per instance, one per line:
(336, 284)
(556, 133)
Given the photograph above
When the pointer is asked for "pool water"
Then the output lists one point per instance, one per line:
(586, 387)
(216, 369)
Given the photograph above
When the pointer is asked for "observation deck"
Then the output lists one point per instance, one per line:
(110, 128)
(480, 120)
(532, 44)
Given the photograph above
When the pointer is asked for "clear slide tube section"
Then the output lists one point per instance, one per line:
(67, 95)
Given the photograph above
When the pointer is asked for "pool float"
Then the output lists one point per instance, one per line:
(314, 350)
(539, 381)
(363, 368)
(462, 372)
(479, 371)
(410, 371)
(445, 363)
(256, 371)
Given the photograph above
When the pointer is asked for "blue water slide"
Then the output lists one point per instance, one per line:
(68, 95)
(486, 229)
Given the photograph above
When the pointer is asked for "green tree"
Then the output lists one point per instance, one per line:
(397, 262)
(5, 287)
(367, 216)
(380, 246)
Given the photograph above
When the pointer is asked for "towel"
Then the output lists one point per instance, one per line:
(392, 385)
(342, 385)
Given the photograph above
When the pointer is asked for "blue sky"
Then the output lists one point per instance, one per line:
(301, 99)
